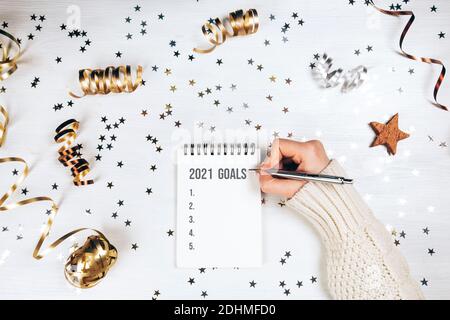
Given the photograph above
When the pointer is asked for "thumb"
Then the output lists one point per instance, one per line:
(281, 187)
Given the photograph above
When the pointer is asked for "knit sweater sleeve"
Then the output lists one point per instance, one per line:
(362, 261)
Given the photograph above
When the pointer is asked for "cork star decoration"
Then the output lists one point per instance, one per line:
(388, 134)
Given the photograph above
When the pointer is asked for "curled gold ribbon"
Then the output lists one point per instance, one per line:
(237, 23)
(410, 56)
(66, 133)
(112, 79)
(3, 124)
(8, 65)
(88, 264)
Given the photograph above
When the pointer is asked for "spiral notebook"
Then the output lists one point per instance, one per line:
(218, 206)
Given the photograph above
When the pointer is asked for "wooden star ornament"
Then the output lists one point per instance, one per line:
(388, 134)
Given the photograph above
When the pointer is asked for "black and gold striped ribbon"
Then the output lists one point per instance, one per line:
(86, 265)
(66, 133)
(412, 57)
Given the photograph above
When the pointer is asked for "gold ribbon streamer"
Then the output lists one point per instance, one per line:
(3, 124)
(112, 79)
(238, 23)
(8, 65)
(410, 56)
(66, 133)
(88, 264)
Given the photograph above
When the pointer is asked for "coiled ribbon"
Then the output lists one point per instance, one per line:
(112, 79)
(237, 23)
(66, 133)
(329, 78)
(86, 265)
(3, 124)
(410, 56)
(8, 65)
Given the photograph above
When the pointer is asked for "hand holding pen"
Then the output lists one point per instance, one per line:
(291, 164)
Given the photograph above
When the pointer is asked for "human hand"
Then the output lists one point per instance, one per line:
(287, 154)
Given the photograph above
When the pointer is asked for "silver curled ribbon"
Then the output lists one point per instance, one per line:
(329, 78)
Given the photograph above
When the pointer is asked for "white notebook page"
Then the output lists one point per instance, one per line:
(218, 210)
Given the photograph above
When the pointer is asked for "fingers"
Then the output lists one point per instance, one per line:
(274, 156)
(280, 187)
(309, 156)
(284, 148)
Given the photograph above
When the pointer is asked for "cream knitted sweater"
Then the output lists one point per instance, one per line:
(362, 261)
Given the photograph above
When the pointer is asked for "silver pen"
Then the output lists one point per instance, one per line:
(295, 175)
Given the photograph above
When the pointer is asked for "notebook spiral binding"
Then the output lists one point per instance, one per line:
(219, 149)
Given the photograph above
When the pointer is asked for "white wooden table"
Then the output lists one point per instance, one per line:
(409, 191)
